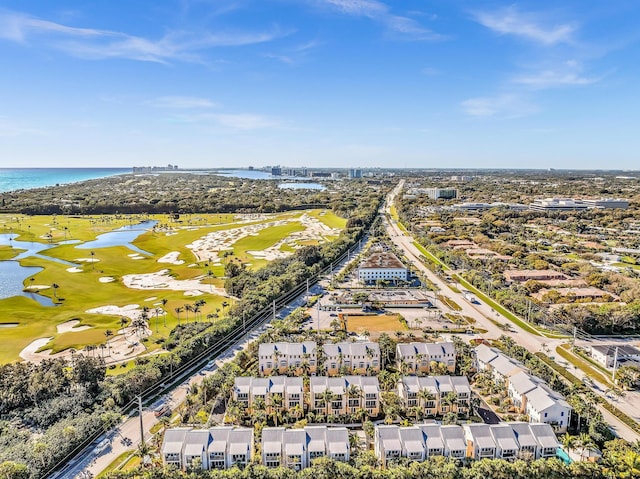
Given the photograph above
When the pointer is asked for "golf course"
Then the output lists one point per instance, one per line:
(116, 285)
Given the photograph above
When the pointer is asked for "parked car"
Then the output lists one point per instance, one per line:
(161, 410)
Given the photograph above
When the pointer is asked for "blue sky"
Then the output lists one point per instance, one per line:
(405, 83)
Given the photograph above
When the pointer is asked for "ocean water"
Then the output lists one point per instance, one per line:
(26, 178)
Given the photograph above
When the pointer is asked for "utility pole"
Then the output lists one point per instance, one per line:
(140, 416)
(274, 309)
(574, 336)
(615, 365)
(307, 289)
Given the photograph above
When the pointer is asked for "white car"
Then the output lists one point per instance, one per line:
(102, 446)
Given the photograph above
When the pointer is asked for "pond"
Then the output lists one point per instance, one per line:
(121, 237)
(302, 186)
(12, 277)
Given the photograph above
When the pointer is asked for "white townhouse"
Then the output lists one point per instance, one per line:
(435, 395)
(478, 441)
(530, 394)
(417, 357)
(283, 357)
(536, 440)
(547, 406)
(275, 392)
(214, 448)
(297, 448)
(344, 395)
(361, 357)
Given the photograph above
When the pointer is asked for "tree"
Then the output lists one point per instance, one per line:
(13, 470)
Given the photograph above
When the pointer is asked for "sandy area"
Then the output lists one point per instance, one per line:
(88, 260)
(209, 246)
(29, 353)
(106, 279)
(71, 327)
(37, 286)
(162, 280)
(131, 311)
(74, 270)
(171, 258)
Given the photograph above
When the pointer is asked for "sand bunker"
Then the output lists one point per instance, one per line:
(131, 311)
(37, 286)
(162, 280)
(106, 279)
(194, 292)
(71, 327)
(88, 260)
(171, 258)
(74, 270)
(29, 353)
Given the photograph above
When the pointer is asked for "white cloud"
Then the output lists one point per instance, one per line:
(179, 102)
(505, 106)
(380, 12)
(98, 44)
(567, 74)
(510, 21)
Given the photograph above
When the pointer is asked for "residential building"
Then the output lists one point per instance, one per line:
(282, 358)
(344, 395)
(297, 448)
(436, 395)
(382, 266)
(442, 193)
(361, 357)
(549, 407)
(589, 293)
(355, 173)
(214, 448)
(478, 441)
(540, 275)
(608, 354)
(275, 392)
(417, 357)
(530, 394)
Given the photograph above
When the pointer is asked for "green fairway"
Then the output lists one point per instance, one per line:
(95, 278)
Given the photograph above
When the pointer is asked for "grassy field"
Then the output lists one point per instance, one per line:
(377, 322)
(80, 291)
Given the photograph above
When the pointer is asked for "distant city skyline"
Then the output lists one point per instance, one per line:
(320, 83)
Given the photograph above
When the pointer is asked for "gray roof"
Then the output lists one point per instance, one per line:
(523, 433)
(504, 437)
(540, 399)
(453, 438)
(433, 439)
(480, 434)
(287, 349)
(544, 435)
(174, 439)
(623, 349)
(196, 442)
(523, 382)
(506, 366)
(486, 354)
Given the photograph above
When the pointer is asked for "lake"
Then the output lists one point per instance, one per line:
(121, 237)
(302, 186)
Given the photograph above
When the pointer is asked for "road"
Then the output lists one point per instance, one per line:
(481, 312)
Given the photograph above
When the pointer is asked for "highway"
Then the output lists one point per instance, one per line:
(481, 312)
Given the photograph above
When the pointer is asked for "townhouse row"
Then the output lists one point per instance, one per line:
(302, 358)
(530, 394)
(476, 441)
(225, 447)
(432, 395)
(351, 357)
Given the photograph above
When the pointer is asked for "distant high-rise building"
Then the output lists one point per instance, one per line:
(444, 193)
(276, 171)
(355, 173)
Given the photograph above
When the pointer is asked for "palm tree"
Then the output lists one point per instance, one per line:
(327, 397)
(123, 321)
(55, 286)
(276, 402)
(424, 395)
(108, 333)
(164, 302)
(586, 442)
(178, 310)
(568, 441)
(187, 308)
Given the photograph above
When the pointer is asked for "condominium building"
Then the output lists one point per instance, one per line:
(213, 448)
(435, 395)
(354, 358)
(274, 393)
(417, 357)
(344, 395)
(296, 448)
(282, 357)
(442, 193)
